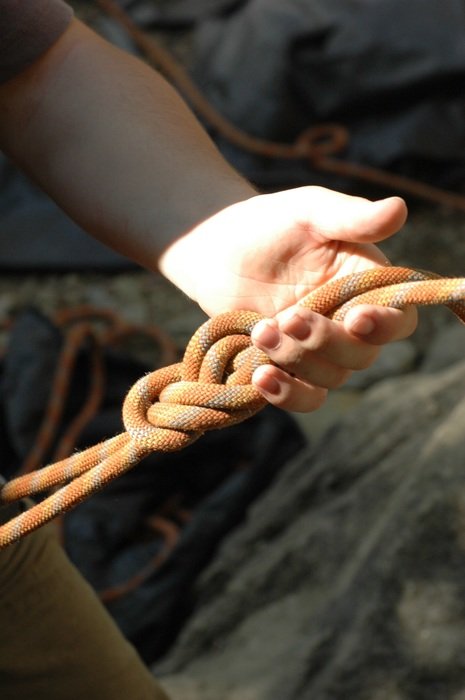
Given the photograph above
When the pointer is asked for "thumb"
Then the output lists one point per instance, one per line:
(337, 216)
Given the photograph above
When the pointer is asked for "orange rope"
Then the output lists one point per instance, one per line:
(81, 326)
(317, 144)
(211, 388)
(162, 523)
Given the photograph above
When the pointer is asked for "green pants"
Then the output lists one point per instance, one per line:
(56, 640)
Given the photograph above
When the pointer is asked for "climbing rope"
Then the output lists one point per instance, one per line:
(172, 407)
(319, 144)
(98, 330)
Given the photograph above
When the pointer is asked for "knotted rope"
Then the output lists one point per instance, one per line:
(211, 388)
(98, 330)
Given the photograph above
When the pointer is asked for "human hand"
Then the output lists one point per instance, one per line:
(269, 251)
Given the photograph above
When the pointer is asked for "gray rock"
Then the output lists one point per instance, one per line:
(447, 348)
(348, 579)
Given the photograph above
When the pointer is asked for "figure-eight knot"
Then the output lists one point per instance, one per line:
(211, 388)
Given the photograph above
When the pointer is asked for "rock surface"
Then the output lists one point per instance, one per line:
(348, 579)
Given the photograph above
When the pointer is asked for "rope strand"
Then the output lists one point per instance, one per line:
(319, 144)
(211, 388)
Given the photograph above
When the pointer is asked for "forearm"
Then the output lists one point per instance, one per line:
(114, 145)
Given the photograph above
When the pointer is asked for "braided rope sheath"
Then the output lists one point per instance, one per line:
(211, 388)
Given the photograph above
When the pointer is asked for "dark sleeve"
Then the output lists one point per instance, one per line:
(27, 29)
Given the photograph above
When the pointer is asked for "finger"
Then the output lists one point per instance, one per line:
(378, 325)
(312, 347)
(337, 216)
(286, 392)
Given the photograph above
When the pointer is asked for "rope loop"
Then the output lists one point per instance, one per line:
(322, 140)
(211, 388)
(220, 361)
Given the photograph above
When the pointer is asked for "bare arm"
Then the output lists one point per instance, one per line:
(112, 142)
(121, 153)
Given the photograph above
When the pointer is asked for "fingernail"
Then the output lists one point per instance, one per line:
(268, 384)
(267, 335)
(362, 325)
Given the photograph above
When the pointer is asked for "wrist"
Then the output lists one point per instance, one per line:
(200, 251)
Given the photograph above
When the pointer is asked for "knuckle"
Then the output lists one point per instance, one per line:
(339, 378)
(325, 376)
(321, 337)
(307, 401)
(291, 358)
(318, 398)
(365, 360)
